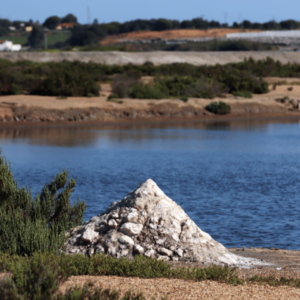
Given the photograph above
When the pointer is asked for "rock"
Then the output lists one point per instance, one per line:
(112, 223)
(164, 258)
(124, 239)
(99, 249)
(88, 235)
(147, 222)
(131, 228)
(150, 253)
(179, 252)
(164, 251)
(132, 216)
(139, 249)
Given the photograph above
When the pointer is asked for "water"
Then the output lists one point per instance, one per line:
(238, 181)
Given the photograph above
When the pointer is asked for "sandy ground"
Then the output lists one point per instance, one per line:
(286, 263)
(28, 108)
(173, 34)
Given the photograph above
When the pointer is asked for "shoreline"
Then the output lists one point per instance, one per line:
(154, 121)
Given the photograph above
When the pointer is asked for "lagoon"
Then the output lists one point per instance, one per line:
(239, 181)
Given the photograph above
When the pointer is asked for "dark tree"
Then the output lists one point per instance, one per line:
(82, 36)
(36, 37)
(289, 24)
(163, 24)
(186, 24)
(5, 23)
(69, 18)
(3, 31)
(51, 22)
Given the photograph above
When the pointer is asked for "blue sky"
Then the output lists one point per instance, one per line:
(126, 10)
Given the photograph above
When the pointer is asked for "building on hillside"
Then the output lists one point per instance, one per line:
(28, 28)
(64, 26)
(9, 46)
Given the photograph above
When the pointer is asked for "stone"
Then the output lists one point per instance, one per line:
(88, 235)
(112, 223)
(132, 216)
(164, 258)
(164, 251)
(131, 228)
(179, 252)
(139, 249)
(99, 249)
(147, 222)
(150, 253)
(124, 239)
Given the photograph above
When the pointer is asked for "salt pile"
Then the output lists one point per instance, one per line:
(147, 222)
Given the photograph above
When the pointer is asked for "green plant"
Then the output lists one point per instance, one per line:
(112, 96)
(30, 225)
(244, 94)
(115, 100)
(90, 95)
(184, 98)
(218, 108)
(62, 97)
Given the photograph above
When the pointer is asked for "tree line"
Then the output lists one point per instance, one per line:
(88, 34)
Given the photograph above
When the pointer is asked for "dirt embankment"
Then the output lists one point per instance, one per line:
(284, 101)
(174, 34)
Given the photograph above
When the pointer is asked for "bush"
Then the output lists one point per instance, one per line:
(67, 82)
(146, 91)
(184, 98)
(28, 225)
(218, 108)
(244, 94)
(112, 96)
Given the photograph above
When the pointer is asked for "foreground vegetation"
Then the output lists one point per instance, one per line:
(39, 276)
(30, 225)
(32, 234)
(172, 80)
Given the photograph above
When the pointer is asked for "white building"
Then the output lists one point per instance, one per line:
(9, 46)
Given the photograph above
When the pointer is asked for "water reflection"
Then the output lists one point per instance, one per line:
(88, 136)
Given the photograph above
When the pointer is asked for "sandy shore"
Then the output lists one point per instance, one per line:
(26, 110)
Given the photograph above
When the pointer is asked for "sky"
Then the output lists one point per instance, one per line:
(126, 10)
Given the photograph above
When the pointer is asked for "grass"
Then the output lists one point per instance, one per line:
(41, 274)
(244, 94)
(115, 100)
(62, 97)
(18, 39)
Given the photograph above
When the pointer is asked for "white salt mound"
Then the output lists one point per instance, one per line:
(147, 222)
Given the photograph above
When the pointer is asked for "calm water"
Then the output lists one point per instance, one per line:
(239, 182)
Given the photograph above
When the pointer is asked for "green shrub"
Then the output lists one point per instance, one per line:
(146, 91)
(67, 82)
(184, 98)
(218, 108)
(30, 225)
(244, 94)
(112, 96)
